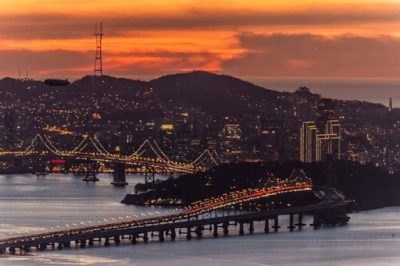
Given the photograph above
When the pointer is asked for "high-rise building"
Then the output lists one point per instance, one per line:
(308, 133)
(315, 146)
(167, 137)
(232, 131)
(231, 142)
(327, 144)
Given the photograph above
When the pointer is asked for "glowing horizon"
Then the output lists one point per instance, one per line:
(263, 38)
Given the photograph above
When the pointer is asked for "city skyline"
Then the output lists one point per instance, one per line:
(291, 39)
(252, 123)
(126, 123)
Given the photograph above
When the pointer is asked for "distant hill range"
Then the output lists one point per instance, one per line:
(124, 104)
(211, 92)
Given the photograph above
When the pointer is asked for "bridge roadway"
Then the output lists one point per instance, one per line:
(101, 154)
(148, 163)
(200, 215)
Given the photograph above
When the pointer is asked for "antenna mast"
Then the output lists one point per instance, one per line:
(98, 63)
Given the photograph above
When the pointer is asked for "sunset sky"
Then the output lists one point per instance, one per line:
(252, 39)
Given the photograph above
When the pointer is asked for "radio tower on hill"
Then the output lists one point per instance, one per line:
(98, 63)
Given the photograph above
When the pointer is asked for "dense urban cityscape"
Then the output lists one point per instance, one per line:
(182, 113)
(187, 132)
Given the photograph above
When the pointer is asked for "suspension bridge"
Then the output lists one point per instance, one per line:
(212, 214)
(91, 151)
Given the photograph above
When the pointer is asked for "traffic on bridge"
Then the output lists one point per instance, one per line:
(91, 149)
(196, 215)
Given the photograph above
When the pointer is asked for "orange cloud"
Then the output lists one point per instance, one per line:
(155, 37)
(306, 55)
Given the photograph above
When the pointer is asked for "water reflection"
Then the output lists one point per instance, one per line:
(29, 203)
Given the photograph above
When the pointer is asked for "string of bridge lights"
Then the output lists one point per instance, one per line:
(87, 140)
(227, 200)
(84, 223)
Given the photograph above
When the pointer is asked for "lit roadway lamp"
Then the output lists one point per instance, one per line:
(78, 151)
(197, 208)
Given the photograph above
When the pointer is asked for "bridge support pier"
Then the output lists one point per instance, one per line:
(189, 233)
(266, 226)
(149, 178)
(90, 175)
(119, 177)
(60, 246)
(82, 243)
(133, 237)
(241, 230)
(161, 236)
(67, 244)
(300, 223)
(291, 222)
(91, 242)
(106, 242)
(276, 224)
(145, 237)
(251, 227)
(199, 231)
(12, 251)
(316, 222)
(215, 231)
(173, 234)
(225, 227)
(117, 239)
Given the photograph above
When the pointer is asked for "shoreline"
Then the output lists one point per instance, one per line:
(129, 200)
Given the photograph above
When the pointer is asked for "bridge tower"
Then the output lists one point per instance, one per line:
(149, 178)
(119, 177)
(90, 175)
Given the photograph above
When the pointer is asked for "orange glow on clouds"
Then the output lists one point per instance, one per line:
(153, 37)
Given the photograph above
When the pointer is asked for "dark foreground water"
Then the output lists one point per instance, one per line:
(30, 203)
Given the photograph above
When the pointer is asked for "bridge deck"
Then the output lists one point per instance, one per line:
(175, 224)
(192, 217)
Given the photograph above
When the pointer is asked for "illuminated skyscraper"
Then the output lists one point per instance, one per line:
(167, 137)
(315, 146)
(329, 142)
(308, 134)
(231, 143)
(232, 131)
